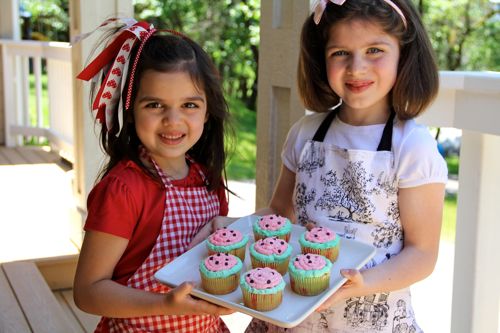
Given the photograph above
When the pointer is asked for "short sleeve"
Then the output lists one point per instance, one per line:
(112, 208)
(420, 162)
(291, 148)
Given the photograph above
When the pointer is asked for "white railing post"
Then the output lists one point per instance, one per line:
(476, 290)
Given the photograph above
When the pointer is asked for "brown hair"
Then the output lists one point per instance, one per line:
(172, 53)
(417, 81)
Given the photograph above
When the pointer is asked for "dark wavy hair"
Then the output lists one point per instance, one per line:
(417, 81)
(166, 52)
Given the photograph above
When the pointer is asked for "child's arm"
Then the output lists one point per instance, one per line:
(96, 293)
(421, 216)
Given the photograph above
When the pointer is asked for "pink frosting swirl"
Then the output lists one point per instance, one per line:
(272, 222)
(225, 236)
(220, 262)
(263, 278)
(309, 261)
(320, 235)
(270, 245)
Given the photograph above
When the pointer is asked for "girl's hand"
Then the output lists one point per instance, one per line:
(352, 287)
(179, 302)
(216, 223)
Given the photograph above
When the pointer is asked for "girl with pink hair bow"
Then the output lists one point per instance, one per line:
(360, 165)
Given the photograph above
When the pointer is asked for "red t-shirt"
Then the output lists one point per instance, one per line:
(129, 203)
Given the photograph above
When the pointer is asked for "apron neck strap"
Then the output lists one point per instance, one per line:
(385, 142)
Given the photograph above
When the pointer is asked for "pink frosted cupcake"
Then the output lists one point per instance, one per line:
(262, 288)
(271, 252)
(220, 273)
(320, 240)
(309, 274)
(227, 241)
(272, 226)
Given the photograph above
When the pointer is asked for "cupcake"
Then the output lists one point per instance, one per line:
(227, 241)
(271, 252)
(220, 273)
(262, 288)
(320, 240)
(272, 226)
(309, 274)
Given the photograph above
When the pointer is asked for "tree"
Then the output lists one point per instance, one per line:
(47, 20)
(227, 30)
(464, 33)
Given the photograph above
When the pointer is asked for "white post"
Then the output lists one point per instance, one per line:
(85, 16)
(9, 29)
(278, 103)
(476, 290)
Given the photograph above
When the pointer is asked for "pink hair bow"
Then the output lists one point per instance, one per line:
(320, 7)
(114, 59)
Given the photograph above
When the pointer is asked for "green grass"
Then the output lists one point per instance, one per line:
(243, 150)
(32, 110)
(449, 218)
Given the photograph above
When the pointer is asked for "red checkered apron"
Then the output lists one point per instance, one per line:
(186, 211)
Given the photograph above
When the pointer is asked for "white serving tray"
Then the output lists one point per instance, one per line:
(294, 308)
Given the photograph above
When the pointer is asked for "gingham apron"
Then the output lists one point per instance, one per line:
(353, 192)
(187, 209)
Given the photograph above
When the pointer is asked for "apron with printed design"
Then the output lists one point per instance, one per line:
(187, 210)
(354, 193)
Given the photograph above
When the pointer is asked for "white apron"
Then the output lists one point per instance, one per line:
(353, 192)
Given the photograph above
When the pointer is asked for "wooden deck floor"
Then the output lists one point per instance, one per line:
(36, 203)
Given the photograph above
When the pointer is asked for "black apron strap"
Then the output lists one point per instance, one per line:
(386, 140)
(325, 125)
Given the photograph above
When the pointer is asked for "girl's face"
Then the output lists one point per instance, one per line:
(169, 113)
(361, 64)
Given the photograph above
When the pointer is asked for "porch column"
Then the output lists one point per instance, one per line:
(9, 29)
(85, 16)
(476, 292)
(278, 102)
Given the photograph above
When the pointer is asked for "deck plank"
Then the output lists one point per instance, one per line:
(13, 156)
(88, 321)
(12, 319)
(77, 327)
(41, 309)
(28, 153)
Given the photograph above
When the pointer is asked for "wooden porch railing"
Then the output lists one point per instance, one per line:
(20, 59)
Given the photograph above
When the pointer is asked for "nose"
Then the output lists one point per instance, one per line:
(171, 115)
(357, 64)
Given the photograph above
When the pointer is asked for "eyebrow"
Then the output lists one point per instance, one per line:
(153, 98)
(376, 42)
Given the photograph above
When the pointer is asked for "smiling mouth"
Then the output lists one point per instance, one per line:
(172, 139)
(358, 86)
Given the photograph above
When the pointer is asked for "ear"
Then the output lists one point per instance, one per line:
(207, 116)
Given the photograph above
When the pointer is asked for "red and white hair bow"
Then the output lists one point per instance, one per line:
(320, 7)
(114, 59)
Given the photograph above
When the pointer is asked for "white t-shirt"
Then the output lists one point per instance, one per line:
(416, 157)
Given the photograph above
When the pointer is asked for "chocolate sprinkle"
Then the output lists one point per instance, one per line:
(268, 281)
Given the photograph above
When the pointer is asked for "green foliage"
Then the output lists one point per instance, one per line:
(49, 19)
(464, 33)
(242, 156)
(227, 30)
(453, 164)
